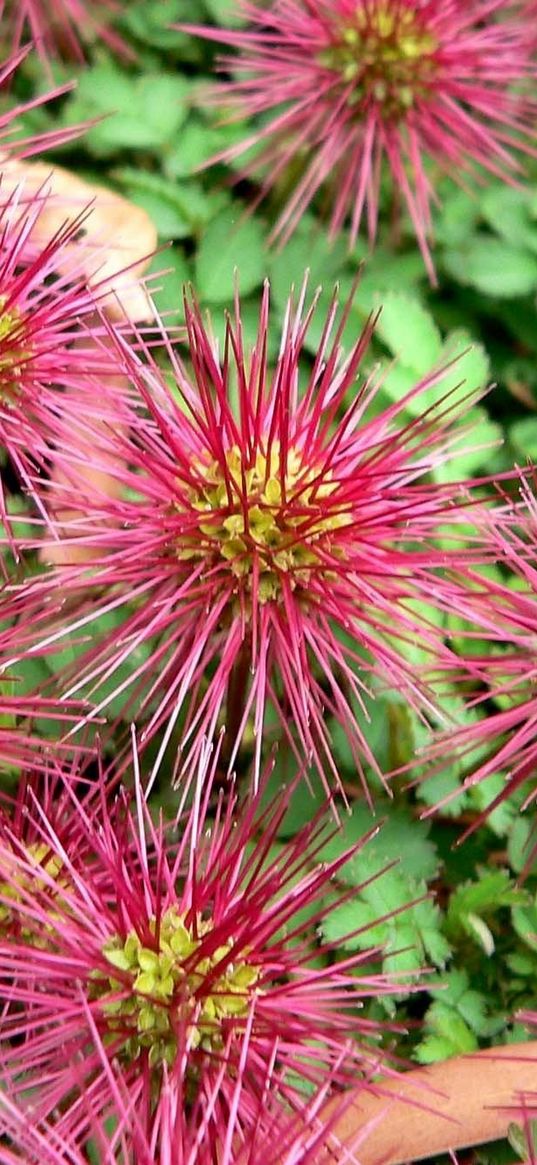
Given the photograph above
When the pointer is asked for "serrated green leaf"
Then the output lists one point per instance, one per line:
(456, 219)
(389, 915)
(525, 924)
(225, 12)
(507, 210)
(483, 794)
(483, 437)
(474, 900)
(433, 1049)
(408, 329)
(523, 437)
(309, 250)
(139, 112)
(519, 843)
(471, 369)
(167, 274)
(196, 143)
(400, 838)
(445, 1022)
(457, 1016)
(493, 267)
(230, 252)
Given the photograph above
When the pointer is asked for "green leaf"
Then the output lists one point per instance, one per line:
(142, 112)
(385, 272)
(468, 370)
(523, 438)
(7, 690)
(483, 437)
(400, 839)
(195, 145)
(483, 794)
(103, 627)
(389, 915)
(309, 250)
(307, 798)
(167, 274)
(184, 206)
(493, 267)
(225, 12)
(151, 24)
(489, 893)
(448, 1024)
(441, 787)
(519, 844)
(455, 1019)
(507, 211)
(409, 330)
(433, 1049)
(525, 924)
(457, 218)
(230, 252)
(471, 369)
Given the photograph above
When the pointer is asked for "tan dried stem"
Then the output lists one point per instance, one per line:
(468, 1100)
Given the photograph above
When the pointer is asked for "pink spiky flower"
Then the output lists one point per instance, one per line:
(51, 354)
(278, 540)
(502, 741)
(168, 967)
(20, 741)
(302, 1137)
(29, 721)
(11, 143)
(347, 89)
(62, 27)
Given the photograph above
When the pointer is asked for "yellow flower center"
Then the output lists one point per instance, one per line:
(170, 988)
(12, 355)
(265, 514)
(23, 885)
(387, 55)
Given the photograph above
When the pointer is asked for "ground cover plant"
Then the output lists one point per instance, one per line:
(268, 427)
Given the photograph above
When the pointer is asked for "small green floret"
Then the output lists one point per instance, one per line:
(264, 514)
(388, 56)
(169, 986)
(12, 355)
(23, 884)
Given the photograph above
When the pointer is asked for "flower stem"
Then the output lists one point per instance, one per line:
(236, 700)
(468, 1100)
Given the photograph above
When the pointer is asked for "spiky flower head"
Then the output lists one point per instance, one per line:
(62, 27)
(172, 966)
(500, 737)
(302, 1137)
(350, 89)
(11, 142)
(279, 539)
(52, 353)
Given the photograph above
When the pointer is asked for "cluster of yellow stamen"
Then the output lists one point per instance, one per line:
(23, 885)
(12, 356)
(265, 513)
(171, 989)
(387, 54)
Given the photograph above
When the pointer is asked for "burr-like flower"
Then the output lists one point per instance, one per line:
(11, 143)
(51, 354)
(503, 741)
(62, 27)
(295, 1138)
(346, 89)
(166, 970)
(279, 539)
